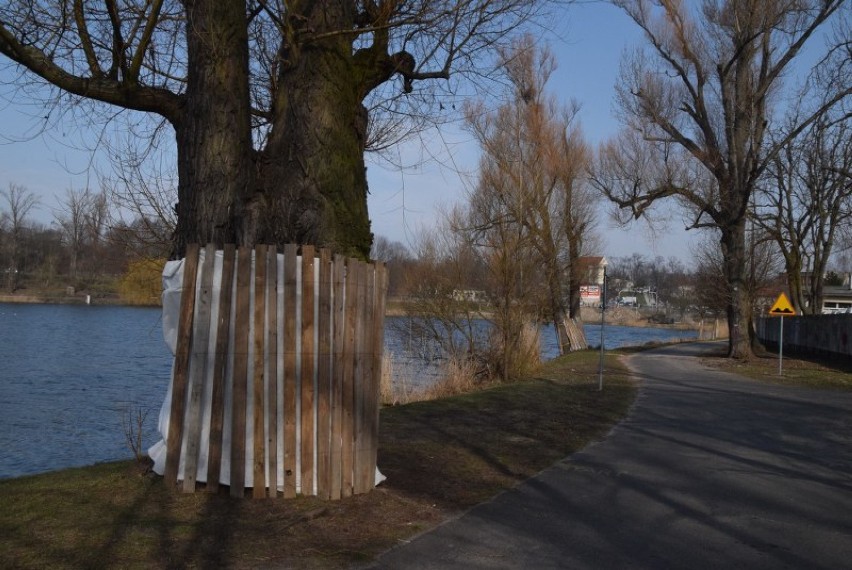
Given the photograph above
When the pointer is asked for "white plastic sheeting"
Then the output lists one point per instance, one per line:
(172, 287)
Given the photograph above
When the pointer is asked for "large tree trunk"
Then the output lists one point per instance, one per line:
(312, 177)
(798, 297)
(214, 132)
(738, 309)
(559, 315)
(308, 184)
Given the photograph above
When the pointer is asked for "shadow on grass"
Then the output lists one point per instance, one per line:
(440, 457)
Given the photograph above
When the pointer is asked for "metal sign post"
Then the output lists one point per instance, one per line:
(603, 308)
(781, 308)
(781, 348)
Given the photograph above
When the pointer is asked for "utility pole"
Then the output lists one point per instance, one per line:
(603, 308)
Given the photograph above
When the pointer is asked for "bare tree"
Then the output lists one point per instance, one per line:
(19, 202)
(531, 175)
(697, 107)
(806, 205)
(269, 100)
(442, 323)
(97, 218)
(514, 283)
(72, 223)
(397, 260)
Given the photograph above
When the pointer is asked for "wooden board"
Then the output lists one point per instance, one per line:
(359, 377)
(258, 388)
(348, 397)
(181, 367)
(338, 374)
(240, 379)
(323, 396)
(378, 350)
(272, 368)
(197, 368)
(290, 379)
(367, 471)
(307, 376)
(220, 366)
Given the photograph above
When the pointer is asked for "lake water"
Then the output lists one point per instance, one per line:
(68, 375)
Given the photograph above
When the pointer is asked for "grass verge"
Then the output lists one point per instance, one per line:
(441, 457)
(829, 374)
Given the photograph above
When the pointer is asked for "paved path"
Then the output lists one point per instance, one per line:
(709, 471)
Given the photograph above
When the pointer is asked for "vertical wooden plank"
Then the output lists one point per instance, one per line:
(290, 450)
(197, 372)
(258, 392)
(241, 347)
(307, 361)
(337, 379)
(182, 354)
(367, 472)
(378, 324)
(365, 381)
(348, 397)
(220, 364)
(324, 377)
(272, 368)
(359, 377)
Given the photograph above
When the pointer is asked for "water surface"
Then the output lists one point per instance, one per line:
(69, 374)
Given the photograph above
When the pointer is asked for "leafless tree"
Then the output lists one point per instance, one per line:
(442, 323)
(19, 202)
(697, 109)
(71, 220)
(97, 218)
(397, 259)
(806, 206)
(532, 177)
(269, 101)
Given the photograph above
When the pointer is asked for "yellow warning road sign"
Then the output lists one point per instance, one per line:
(782, 307)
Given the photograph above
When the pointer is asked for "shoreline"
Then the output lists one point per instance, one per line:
(393, 309)
(71, 300)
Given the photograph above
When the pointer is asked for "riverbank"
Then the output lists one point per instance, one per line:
(441, 458)
(66, 300)
(622, 316)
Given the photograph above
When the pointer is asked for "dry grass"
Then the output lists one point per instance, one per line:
(459, 377)
(441, 457)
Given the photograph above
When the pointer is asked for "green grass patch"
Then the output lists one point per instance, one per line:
(441, 457)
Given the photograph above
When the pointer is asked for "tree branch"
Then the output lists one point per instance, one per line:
(120, 93)
(86, 40)
(144, 41)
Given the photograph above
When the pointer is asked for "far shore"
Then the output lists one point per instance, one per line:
(76, 299)
(394, 308)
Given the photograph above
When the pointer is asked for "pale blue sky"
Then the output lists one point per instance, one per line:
(588, 45)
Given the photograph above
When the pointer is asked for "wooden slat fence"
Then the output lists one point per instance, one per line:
(277, 372)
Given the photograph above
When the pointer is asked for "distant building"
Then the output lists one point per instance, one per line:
(838, 298)
(469, 295)
(591, 270)
(835, 298)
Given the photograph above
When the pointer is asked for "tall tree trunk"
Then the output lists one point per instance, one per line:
(558, 313)
(575, 278)
(313, 186)
(798, 297)
(312, 176)
(738, 309)
(214, 132)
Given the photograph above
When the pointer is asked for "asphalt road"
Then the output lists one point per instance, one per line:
(708, 471)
